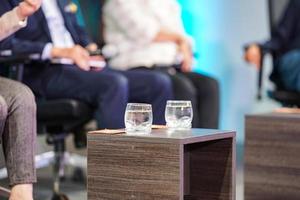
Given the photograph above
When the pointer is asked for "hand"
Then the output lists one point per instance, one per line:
(78, 54)
(27, 8)
(92, 47)
(253, 55)
(187, 63)
(22, 191)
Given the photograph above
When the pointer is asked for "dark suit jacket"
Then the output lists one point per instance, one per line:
(36, 35)
(33, 38)
(286, 36)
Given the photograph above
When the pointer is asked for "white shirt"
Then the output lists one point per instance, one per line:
(60, 36)
(131, 26)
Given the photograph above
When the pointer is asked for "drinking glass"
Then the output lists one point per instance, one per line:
(179, 115)
(138, 118)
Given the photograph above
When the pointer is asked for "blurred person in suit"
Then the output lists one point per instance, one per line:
(285, 46)
(149, 34)
(54, 33)
(18, 114)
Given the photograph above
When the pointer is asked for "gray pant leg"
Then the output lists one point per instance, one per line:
(19, 132)
(3, 115)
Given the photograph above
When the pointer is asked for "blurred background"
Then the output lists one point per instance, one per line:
(221, 29)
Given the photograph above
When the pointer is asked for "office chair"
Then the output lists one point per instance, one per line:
(280, 94)
(56, 118)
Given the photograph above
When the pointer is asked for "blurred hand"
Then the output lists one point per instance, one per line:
(92, 47)
(78, 54)
(253, 55)
(186, 52)
(27, 8)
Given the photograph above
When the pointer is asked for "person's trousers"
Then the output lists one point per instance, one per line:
(288, 67)
(109, 91)
(18, 131)
(202, 91)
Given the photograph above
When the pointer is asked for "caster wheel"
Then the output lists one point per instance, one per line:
(63, 179)
(60, 197)
(78, 176)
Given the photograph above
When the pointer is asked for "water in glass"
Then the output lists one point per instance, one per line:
(138, 118)
(179, 115)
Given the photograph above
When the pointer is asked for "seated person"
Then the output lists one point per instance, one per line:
(285, 47)
(53, 32)
(150, 34)
(18, 115)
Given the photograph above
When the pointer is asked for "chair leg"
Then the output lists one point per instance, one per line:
(77, 161)
(59, 150)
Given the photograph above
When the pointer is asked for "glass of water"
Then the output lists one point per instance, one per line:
(138, 118)
(179, 115)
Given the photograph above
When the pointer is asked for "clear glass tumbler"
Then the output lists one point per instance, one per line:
(179, 115)
(138, 118)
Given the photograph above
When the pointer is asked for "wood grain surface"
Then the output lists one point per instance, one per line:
(162, 166)
(133, 170)
(272, 161)
(211, 170)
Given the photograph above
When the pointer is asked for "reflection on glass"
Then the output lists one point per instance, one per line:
(179, 115)
(138, 118)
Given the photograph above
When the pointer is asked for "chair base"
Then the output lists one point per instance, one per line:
(59, 160)
(47, 159)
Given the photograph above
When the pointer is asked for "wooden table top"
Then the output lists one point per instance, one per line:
(165, 135)
(275, 115)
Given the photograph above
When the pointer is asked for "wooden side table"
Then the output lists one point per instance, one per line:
(195, 164)
(272, 157)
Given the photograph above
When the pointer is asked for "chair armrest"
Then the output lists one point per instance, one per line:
(8, 58)
(15, 63)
